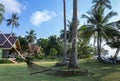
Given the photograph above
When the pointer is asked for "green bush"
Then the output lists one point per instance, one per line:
(39, 56)
(31, 58)
(4, 61)
(19, 59)
(52, 53)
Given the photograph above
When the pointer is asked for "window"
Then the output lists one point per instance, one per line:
(0, 53)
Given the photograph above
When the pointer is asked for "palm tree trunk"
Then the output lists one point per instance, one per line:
(94, 50)
(116, 53)
(12, 29)
(99, 46)
(73, 63)
(65, 34)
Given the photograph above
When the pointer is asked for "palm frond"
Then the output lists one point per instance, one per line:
(108, 16)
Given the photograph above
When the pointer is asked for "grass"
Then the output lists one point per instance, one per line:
(101, 72)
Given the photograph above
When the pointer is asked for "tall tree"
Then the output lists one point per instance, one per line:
(100, 24)
(65, 33)
(1, 12)
(73, 63)
(13, 21)
(31, 36)
(23, 43)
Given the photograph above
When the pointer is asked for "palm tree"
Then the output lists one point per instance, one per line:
(115, 43)
(99, 23)
(13, 21)
(69, 32)
(1, 12)
(73, 63)
(31, 36)
(65, 34)
(103, 3)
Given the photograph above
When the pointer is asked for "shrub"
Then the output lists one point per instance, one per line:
(19, 59)
(52, 53)
(4, 61)
(39, 56)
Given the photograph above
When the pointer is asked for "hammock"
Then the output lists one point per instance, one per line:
(32, 67)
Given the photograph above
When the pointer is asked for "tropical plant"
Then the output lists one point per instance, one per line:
(115, 43)
(52, 53)
(31, 36)
(13, 21)
(23, 43)
(1, 12)
(69, 31)
(85, 50)
(100, 24)
(43, 42)
(73, 63)
(102, 3)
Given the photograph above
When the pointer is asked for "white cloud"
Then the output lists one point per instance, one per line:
(39, 17)
(12, 6)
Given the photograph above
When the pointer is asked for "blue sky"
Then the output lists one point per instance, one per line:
(45, 16)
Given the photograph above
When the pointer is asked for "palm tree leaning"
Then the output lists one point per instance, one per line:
(13, 21)
(1, 12)
(73, 63)
(99, 23)
(65, 33)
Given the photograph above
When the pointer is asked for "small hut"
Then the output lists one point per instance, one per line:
(6, 49)
(33, 49)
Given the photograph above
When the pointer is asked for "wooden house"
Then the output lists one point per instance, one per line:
(7, 45)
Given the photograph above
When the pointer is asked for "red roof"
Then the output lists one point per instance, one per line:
(4, 44)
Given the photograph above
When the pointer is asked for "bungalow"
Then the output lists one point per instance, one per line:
(33, 49)
(6, 48)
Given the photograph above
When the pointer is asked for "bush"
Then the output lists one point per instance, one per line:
(52, 53)
(31, 58)
(39, 56)
(4, 61)
(19, 59)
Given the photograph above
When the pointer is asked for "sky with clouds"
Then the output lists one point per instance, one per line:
(45, 16)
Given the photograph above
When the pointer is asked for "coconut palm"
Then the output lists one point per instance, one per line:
(13, 21)
(115, 43)
(73, 63)
(1, 12)
(31, 36)
(65, 33)
(103, 3)
(99, 23)
(69, 31)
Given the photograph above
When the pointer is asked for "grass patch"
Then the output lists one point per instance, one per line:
(101, 72)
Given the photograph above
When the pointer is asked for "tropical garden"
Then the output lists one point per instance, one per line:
(71, 54)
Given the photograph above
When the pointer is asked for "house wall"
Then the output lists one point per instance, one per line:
(5, 53)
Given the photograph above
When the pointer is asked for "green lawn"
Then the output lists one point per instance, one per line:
(101, 72)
